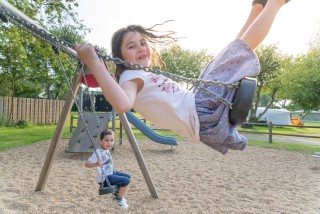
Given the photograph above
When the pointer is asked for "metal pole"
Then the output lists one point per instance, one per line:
(120, 133)
(114, 121)
(71, 123)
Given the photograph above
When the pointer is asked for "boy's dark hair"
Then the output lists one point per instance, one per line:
(105, 132)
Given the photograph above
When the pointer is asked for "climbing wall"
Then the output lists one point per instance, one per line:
(80, 141)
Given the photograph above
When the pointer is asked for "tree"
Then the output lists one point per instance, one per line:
(14, 69)
(55, 84)
(27, 66)
(269, 83)
(264, 100)
(25, 62)
(184, 62)
(302, 81)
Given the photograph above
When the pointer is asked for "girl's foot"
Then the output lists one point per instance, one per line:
(262, 2)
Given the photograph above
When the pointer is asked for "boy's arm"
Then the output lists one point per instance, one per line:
(90, 164)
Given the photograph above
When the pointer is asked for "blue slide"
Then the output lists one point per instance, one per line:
(149, 132)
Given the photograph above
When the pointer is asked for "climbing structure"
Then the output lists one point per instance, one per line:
(80, 141)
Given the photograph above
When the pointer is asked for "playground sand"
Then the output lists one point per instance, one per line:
(190, 179)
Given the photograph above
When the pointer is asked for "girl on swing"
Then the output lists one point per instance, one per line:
(191, 114)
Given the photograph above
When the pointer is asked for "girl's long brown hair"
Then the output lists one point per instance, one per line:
(163, 39)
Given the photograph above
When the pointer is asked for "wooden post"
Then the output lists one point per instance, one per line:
(139, 157)
(36, 112)
(270, 132)
(59, 130)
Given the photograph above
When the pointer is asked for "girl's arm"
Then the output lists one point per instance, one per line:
(121, 99)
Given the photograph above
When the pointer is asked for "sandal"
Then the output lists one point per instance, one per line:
(262, 2)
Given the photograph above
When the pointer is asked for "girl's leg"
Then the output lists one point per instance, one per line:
(255, 11)
(260, 27)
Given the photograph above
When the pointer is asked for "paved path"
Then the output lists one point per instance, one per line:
(290, 139)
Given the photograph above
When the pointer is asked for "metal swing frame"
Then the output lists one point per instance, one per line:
(9, 12)
(239, 109)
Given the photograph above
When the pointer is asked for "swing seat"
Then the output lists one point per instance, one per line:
(108, 189)
(242, 101)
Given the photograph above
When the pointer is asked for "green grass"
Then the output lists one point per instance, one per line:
(14, 137)
(295, 147)
(11, 137)
(285, 130)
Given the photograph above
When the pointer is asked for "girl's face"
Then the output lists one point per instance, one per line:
(135, 49)
(107, 142)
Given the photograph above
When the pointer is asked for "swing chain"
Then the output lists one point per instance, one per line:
(103, 176)
(65, 47)
(39, 32)
(197, 83)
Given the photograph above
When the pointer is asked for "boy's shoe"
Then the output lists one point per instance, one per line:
(122, 203)
(114, 196)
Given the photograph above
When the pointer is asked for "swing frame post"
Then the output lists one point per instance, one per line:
(59, 130)
(138, 154)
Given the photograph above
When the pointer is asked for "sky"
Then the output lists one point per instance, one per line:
(203, 24)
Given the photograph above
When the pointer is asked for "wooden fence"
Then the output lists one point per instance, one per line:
(36, 111)
(270, 125)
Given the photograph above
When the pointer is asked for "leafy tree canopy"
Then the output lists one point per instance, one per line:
(184, 62)
(28, 67)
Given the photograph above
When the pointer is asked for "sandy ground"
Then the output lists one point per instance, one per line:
(191, 178)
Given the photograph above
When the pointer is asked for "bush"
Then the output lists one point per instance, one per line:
(4, 121)
(8, 123)
(21, 124)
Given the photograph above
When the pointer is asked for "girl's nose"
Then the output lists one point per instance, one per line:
(141, 48)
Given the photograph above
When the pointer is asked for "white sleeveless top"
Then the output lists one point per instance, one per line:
(165, 103)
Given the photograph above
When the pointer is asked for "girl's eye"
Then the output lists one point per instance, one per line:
(143, 43)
